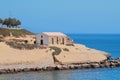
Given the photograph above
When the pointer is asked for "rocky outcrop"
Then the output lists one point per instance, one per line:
(103, 64)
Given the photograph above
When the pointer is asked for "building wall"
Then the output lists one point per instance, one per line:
(45, 39)
(57, 40)
(69, 40)
(52, 40)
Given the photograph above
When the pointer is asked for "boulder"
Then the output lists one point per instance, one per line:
(95, 65)
(86, 65)
(26, 69)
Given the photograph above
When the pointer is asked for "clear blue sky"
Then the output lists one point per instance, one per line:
(69, 16)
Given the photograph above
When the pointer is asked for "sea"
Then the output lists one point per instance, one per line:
(109, 43)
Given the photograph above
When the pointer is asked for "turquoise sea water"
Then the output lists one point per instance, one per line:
(106, 42)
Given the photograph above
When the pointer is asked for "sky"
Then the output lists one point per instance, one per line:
(68, 16)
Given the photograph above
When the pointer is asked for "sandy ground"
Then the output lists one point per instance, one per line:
(43, 57)
(9, 56)
(80, 54)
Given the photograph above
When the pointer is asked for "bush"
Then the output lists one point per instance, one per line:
(57, 50)
(65, 49)
(69, 44)
(1, 40)
(15, 32)
(21, 46)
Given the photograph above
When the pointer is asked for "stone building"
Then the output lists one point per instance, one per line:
(53, 38)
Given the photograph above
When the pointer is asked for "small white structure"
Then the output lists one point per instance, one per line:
(51, 38)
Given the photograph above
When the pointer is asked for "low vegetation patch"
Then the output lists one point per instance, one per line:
(65, 49)
(15, 32)
(1, 39)
(69, 44)
(21, 46)
(57, 50)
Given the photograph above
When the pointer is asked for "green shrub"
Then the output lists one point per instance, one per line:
(57, 50)
(65, 49)
(21, 46)
(1, 39)
(15, 32)
(69, 44)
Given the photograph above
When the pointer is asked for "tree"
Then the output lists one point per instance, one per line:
(18, 22)
(5, 22)
(1, 21)
(11, 22)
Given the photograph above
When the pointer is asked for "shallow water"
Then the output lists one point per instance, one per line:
(88, 74)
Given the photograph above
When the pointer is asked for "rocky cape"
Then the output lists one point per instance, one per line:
(53, 57)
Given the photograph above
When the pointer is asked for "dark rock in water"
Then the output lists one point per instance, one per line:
(31, 69)
(112, 64)
(76, 67)
(12, 70)
(71, 66)
(107, 65)
(119, 63)
(26, 69)
(65, 67)
(57, 68)
(116, 64)
(3, 71)
(37, 69)
(50, 68)
(18, 70)
(102, 65)
(44, 68)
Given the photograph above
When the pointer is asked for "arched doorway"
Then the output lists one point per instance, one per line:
(41, 42)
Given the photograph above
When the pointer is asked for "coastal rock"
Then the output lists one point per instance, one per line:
(18, 70)
(86, 65)
(44, 68)
(37, 69)
(107, 65)
(71, 66)
(103, 64)
(26, 69)
(65, 67)
(95, 65)
(50, 68)
(113, 64)
(3, 71)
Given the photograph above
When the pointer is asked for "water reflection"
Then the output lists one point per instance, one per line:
(88, 74)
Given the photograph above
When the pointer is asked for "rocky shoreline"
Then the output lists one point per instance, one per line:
(103, 64)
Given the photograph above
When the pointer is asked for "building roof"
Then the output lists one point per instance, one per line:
(54, 33)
